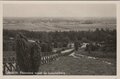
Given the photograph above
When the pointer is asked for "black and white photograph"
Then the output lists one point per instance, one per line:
(60, 0)
(59, 39)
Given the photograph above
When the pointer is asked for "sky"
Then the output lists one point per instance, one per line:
(59, 10)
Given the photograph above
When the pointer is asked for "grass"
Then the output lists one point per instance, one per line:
(72, 66)
(107, 56)
(79, 66)
(68, 65)
(100, 54)
(9, 56)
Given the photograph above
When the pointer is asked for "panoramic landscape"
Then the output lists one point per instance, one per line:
(59, 24)
(59, 41)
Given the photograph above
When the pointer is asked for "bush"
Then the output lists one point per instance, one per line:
(28, 54)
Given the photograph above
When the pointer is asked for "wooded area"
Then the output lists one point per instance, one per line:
(105, 37)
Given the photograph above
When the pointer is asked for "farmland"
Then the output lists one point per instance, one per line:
(61, 34)
(59, 24)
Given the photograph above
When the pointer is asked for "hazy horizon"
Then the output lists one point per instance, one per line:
(58, 24)
(59, 16)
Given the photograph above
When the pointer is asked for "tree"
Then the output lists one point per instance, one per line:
(28, 54)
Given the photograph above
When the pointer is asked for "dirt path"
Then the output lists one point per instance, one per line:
(74, 55)
(77, 64)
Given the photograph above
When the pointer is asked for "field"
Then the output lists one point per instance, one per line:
(60, 24)
(79, 64)
(76, 63)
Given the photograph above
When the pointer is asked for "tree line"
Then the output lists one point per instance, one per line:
(106, 36)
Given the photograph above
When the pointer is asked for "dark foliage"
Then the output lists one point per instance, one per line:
(61, 38)
(27, 54)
